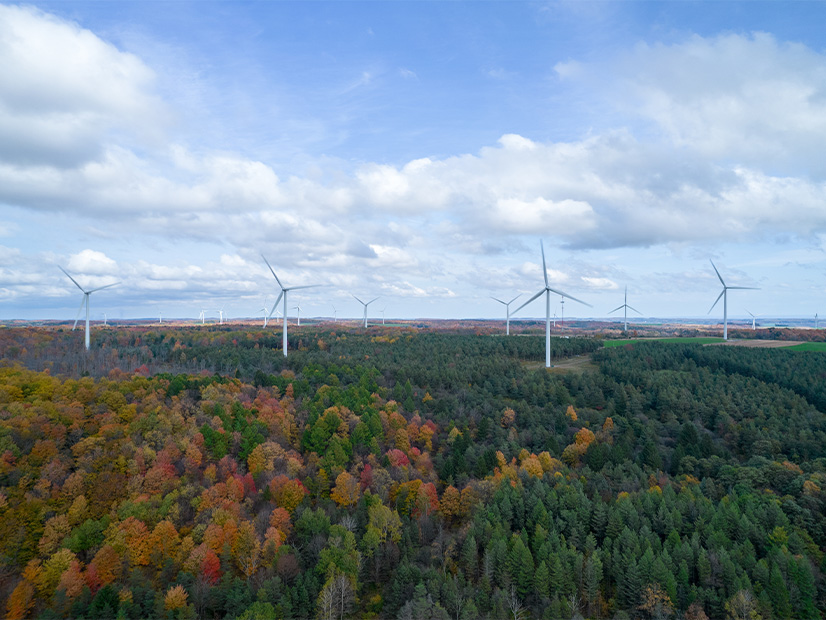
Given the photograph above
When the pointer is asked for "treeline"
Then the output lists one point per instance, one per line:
(406, 474)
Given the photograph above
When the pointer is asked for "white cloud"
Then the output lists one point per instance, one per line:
(733, 96)
(62, 89)
(91, 262)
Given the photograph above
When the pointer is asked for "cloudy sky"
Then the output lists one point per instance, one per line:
(416, 151)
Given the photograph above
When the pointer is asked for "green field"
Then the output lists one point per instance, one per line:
(619, 343)
(809, 346)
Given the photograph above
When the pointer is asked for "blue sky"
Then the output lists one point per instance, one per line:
(416, 151)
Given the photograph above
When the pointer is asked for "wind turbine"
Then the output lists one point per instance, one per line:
(221, 316)
(298, 315)
(85, 301)
(201, 316)
(160, 317)
(365, 307)
(547, 291)
(284, 291)
(335, 314)
(754, 320)
(264, 311)
(724, 295)
(626, 307)
(507, 312)
(382, 314)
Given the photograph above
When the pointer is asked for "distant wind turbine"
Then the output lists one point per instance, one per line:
(365, 307)
(754, 320)
(221, 315)
(626, 307)
(265, 312)
(160, 317)
(201, 316)
(547, 291)
(382, 314)
(507, 312)
(85, 301)
(297, 308)
(724, 295)
(284, 291)
(335, 314)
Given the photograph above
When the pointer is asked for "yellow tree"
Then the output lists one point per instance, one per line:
(346, 492)
(247, 549)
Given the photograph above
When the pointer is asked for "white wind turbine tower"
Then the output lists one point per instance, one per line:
(201, 316)
(382, 314)
(85, 301)
(297, 308)
(335, 314)
(284, 291)
(264, 311)
(508, 312)
(724, 295)
(221, 316)
(547, 291)
(626, 307)
(160, 317)
(365, 307)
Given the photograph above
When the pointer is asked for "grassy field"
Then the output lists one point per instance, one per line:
(619, 343)
(809, 346)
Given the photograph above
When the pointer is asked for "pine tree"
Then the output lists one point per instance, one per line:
(542, 580)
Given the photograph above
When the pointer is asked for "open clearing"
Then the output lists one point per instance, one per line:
(577, 364)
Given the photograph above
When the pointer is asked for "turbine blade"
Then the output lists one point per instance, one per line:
(584, 303)
(544, 268)
(618, 308)
(513, 300)
(717, 272)
(71, 278)
(100, 288)
(723, 292)
(79, 310)
(499, 300)
(372, 300)
(750, 314)
(293, 288)
(276, 304)
(635, 310)
(529, 301)
(273, 272)
(744, 288)
(357, 299)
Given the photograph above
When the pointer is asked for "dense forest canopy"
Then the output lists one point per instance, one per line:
(405, 473)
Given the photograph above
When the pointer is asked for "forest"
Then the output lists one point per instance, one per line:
(407, 473)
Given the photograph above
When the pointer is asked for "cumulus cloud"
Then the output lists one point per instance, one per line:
(733, 96)
(62, 89)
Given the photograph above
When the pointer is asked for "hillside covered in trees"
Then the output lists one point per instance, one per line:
(406, 473)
